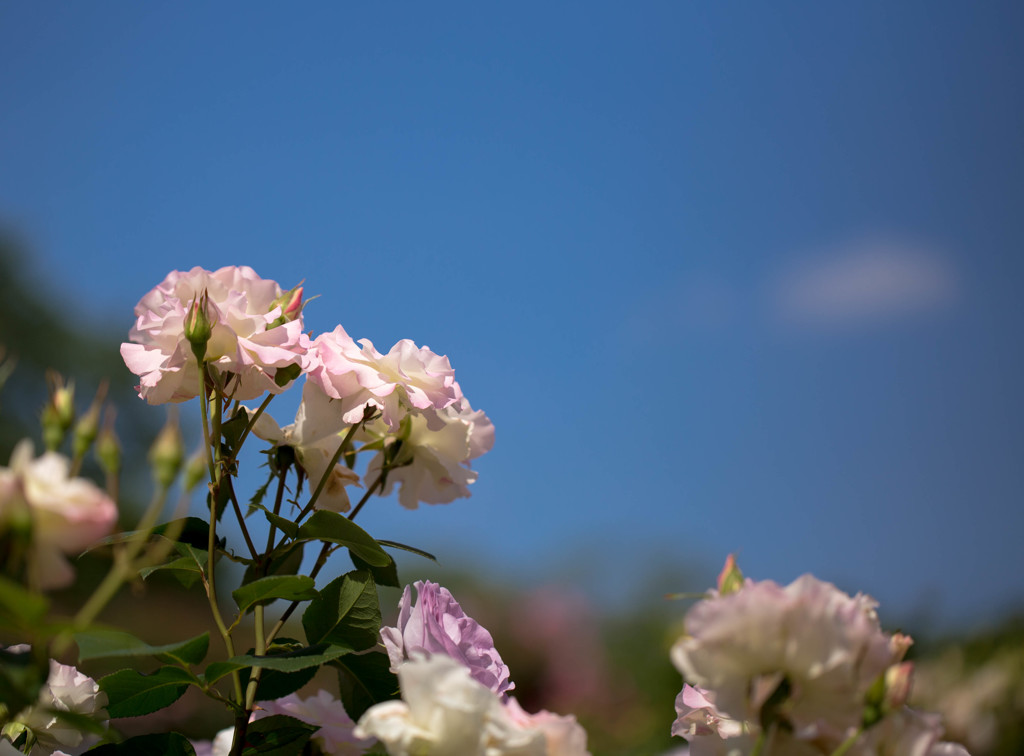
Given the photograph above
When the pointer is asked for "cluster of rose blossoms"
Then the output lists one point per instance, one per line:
(256, 344)
(800, 670)
(455, 698)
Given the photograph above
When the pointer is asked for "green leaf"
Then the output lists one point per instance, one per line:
(99, 644)
(191, 530)
(332, 527)
(346, 612)
(290, 587)
(405, 547)
(277, 735)
(381, 575)
(286, 526)
(256, 502)
(365, 680)
(19, 606)
(293, 661)
(131, 694)
(232, 431)
(81, 722)
(164, 743)
(284, 560)
(187, 569)
(274, 684)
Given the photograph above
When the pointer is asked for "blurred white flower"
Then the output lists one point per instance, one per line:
(445, 712)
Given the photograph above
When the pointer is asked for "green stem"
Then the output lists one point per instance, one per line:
(759, 745)
(252, 422)
(211, 432)
(241, 520)
(321, 560)
(366, 496)
(367, 414)
(847, 744)
(120, 572)
(278, 499)
(261, 650)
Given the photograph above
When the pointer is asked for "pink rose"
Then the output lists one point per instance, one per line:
(437, 625)
(407, 377)
(256, 331)
(435, 456)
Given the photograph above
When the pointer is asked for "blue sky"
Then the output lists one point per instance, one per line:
(727, 277)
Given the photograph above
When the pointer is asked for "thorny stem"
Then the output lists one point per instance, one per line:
(212, 440)
(278, 499)
(366, 497)
(367, 414)
(241, 520)
(254, 417)
(321, 560)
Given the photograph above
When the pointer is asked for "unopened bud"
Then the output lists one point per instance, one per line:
(195, 469)
(198, 328)
(899, 644)
(108, 447)
(59, 413)
(168, 452)
(88, 426)
(291, 305)
(897, 685)
(730, 579)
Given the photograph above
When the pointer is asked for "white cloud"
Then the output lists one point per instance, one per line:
(870, 282)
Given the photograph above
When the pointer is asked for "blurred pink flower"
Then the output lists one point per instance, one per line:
(827, 646)
(563, 734)
(67, 514)
(252, 337)
(436, 625)
(906, 733)
(561, 629)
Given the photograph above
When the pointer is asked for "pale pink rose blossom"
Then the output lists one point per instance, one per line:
(435, 456)
(65, 689)
(315, 436)
(407, 377)
(563, 735)
(247, 347)
(68, 514)
(335, 736)
(906, 733)
(436, 625)
(696, 714)
(826, 644)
